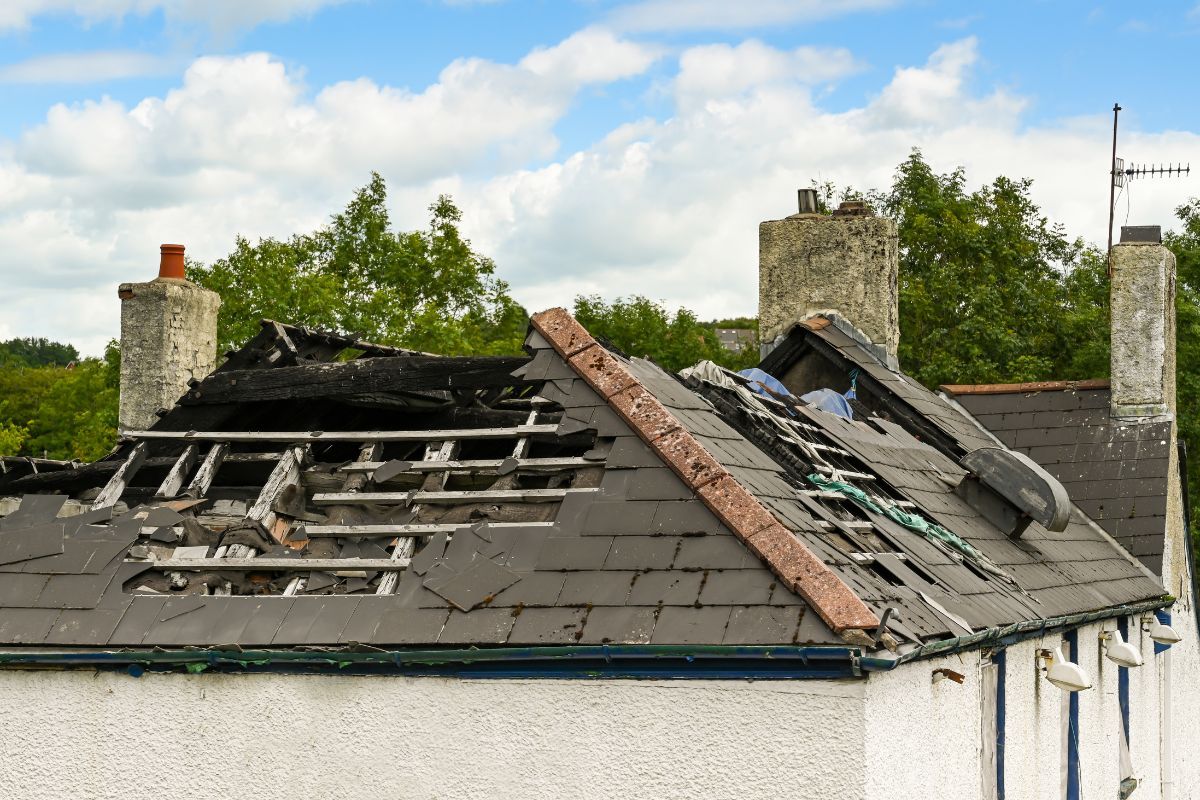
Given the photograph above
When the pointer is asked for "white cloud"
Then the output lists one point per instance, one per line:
(93, 67)
(219, 15)
(667, 15)
(664, 207)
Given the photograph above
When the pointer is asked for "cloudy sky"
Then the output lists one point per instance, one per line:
(595, 146)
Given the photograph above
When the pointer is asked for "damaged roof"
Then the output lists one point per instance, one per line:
(575, 496)
(1115, 470)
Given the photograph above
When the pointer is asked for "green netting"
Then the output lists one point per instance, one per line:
(913, 522)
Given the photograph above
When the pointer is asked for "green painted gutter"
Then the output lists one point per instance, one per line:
(1005, 635)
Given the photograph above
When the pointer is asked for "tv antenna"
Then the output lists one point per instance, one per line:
(1121, 175)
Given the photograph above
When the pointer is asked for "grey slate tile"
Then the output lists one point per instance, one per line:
(665, 587)
(762, 624)
(18, 590)
(627, 625)
(405, 626)
(26, 625)
(534, 589)
(737, 587)
(481, 626)
(85, 627)
(657, 483)
(684, 517)
(679, 625)
(22, 544)
(73, 591)
(537, 626)
(138, 618)
(587, 552)
(642, 552)
(619, 517)
(597, 588)
(476, 584)
(315, 620)
(721, 551)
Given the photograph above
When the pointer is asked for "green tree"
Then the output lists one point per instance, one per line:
(641, 327)
(36, 352)
(424, 289)
(60, 413)
(983, 279)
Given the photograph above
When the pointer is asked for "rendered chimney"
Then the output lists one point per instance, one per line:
(1142, 299)
(812, 263)
(168, 337)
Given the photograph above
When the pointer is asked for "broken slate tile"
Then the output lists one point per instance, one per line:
(35, 509)
(475, 585)
(33, 542)
(433, 550)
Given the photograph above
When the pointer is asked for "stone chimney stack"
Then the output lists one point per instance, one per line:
(168, 337)
(1142, 300)
(810, 263)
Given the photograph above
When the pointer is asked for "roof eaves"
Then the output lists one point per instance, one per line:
(784, 553)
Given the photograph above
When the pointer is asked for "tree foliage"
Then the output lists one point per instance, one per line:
(990, 290)
(55, 412)
(36, 352)
(423, 289)
(641, 327)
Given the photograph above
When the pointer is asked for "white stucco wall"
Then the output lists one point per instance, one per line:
(923, 739)
(103, 735)
(896, 735)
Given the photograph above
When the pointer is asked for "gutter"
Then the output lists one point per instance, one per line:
(599, 661)
(1005, 635)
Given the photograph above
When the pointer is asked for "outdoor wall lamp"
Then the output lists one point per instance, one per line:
(1066, 675)
(1163, 634)
(1117, 650)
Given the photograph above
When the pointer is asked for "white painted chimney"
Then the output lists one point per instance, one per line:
(810, 263)
(168, 337)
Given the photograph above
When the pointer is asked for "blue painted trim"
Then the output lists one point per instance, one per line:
(1000, 657)
(1123, 680)
(1071, 644)
(1164, 617)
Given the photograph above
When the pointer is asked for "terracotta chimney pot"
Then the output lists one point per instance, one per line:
(170, 263)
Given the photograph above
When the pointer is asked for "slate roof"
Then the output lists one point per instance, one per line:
(576, 496)
(1115, 470)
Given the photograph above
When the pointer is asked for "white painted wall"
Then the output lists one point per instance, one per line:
(103, 735)
(923, 739)
(897, 735)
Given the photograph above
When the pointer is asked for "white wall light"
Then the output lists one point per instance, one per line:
(1163, 634)
(1064, 674)
(1120, 651)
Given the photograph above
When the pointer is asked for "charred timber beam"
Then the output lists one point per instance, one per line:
(364, 376)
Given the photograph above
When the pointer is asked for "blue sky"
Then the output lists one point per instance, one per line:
(591, 143)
